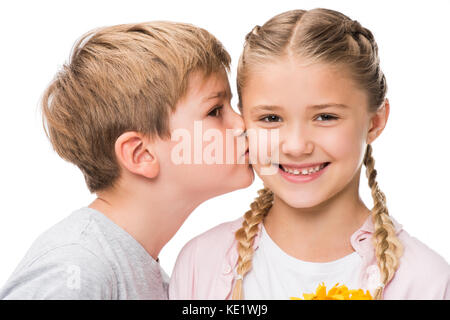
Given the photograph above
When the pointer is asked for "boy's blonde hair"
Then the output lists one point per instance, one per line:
(326, 36)
(123, 78)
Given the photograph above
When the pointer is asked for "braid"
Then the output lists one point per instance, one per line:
(355, 28)
(246, 236)
(367, 47)
(254, 31)
(388, 248)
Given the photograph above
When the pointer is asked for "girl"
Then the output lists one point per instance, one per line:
(314, 77)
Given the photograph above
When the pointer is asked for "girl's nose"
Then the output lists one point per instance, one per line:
(296, 142)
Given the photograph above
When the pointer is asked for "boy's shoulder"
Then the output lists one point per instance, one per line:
(68, 271)
(59, 260)
(76, 230)
(86, 256)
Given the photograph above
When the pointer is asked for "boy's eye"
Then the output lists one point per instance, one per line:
(326, 117)
(271, 118)
(215, 112)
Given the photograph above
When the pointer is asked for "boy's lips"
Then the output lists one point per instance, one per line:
(246, 153)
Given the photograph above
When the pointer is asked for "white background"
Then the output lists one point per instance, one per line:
(39, 189)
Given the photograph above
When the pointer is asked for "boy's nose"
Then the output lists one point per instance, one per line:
(296, 143)
(237, 124)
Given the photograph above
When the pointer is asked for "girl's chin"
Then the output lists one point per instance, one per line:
(302, 201)
(302, 205)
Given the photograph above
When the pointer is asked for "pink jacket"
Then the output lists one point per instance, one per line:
(205, 266)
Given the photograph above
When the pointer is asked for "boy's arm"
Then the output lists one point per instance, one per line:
(67, 272)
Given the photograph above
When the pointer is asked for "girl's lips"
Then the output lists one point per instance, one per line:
(300, 177)
(301, 166)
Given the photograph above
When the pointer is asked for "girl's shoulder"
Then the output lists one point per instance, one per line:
(216, 241)
(204, 267)
(416, 254)
(422, 273)
(421, 257)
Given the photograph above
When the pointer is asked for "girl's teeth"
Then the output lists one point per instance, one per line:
(304, 171)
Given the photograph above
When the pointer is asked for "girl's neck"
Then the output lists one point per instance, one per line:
(320, 233)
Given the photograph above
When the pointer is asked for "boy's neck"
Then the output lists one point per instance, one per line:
(151, 218)
(321, 233)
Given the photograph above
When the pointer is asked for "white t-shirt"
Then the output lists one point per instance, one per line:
(277, 275)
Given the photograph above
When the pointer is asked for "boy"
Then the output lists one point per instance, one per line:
(112, 111)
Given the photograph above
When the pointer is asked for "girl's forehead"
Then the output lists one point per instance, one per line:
(298, 68)
(288, 82)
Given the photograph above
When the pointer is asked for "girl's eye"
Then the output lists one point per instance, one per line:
(215, 112)
(271, 118)
(326, 117)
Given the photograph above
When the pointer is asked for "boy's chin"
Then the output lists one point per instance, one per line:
(248, 178)
(240, 180)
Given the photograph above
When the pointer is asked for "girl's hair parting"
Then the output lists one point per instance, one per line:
(326, 36)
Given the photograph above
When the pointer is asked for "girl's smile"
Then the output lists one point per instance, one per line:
(302, 173)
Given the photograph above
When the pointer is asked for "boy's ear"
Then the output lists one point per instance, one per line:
(378, 121)
(135, 152)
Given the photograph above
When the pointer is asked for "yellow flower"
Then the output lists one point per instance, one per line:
(335, 293)
(360, 295)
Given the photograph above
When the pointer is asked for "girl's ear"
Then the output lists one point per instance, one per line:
(378, 122)
(135, 153)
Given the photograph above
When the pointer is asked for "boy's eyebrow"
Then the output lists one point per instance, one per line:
(219, 94)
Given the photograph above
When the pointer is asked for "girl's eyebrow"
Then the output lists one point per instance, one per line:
(265, 108)
(315, 106)
(328, 105)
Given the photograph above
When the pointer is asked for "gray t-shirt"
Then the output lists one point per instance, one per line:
(86, 256)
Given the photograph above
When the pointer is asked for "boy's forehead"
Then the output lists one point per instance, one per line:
(214, 85)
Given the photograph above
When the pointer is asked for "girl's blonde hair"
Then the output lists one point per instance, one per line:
(325, 36)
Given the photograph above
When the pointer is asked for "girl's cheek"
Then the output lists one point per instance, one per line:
(261, 145)
(343, 142)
